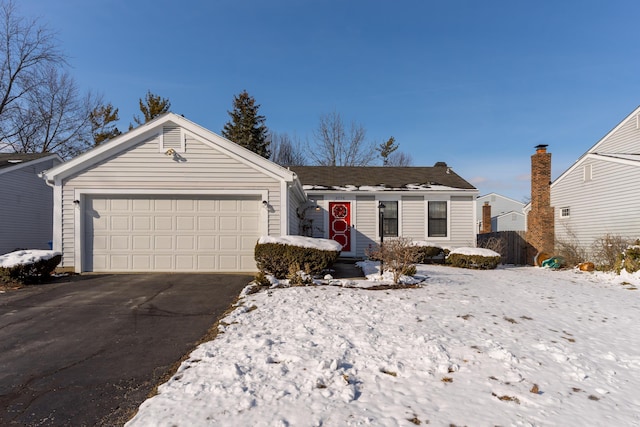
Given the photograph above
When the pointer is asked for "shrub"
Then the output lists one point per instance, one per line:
(398, 255)
(428, 254)
(477, 258)
(629, 260)
(277, 258)
(607, 249)
(36, 272)
(496, 244)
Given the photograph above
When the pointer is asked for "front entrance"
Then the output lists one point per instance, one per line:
(340, 224)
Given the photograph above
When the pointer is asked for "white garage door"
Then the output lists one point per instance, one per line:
(170, 233)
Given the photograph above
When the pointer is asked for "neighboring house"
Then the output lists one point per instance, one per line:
(27, 201)
(169, 196)
(173, 196)
(506, 213)
(600, 193)
(431, 204)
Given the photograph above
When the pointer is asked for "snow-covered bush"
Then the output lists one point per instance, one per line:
(629, 260)
(275, 256)
(398, 255)
(427, 254)
(28, 266)
(478, 258)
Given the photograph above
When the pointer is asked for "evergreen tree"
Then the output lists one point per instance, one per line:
(152, 107)
(246, 126)
(103, 123)
(386, 148)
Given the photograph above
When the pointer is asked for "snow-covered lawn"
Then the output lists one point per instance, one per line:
(513, 346)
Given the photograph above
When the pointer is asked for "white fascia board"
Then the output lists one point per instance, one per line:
(383, 193)
(26, 163)
(500, 196)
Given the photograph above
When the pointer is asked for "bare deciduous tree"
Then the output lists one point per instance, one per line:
(53, 117)
(40, 109)
(286, 151)
(338, 146)
(399, 158)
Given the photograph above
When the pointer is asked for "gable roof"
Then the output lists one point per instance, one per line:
(509, 199)
(13, 161)
(154, 128)
(632, 159)
(380, 178)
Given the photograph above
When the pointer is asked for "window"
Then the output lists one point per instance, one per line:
(565, 212)
(390, 222)
(437, 221)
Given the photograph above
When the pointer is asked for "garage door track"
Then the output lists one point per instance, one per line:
(87, 350)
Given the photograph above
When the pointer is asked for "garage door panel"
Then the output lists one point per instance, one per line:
(141, 223)
(171, 233)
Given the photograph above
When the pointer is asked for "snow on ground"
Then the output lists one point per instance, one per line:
(520, 346)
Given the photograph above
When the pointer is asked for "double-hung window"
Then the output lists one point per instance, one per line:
(390, 222)
(437, 219)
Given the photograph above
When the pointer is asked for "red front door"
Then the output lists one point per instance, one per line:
(340, 224)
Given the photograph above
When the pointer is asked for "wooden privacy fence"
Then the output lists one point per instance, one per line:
(510, 244)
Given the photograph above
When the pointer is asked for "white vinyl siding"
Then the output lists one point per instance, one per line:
(26, 211)
(461, 221)
(413, 219)
(609, 204)
(621, 140)
(145, 168)
(365, 224)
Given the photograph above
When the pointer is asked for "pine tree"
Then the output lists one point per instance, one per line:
(386, 148)
(246, 126)
(152, 107)
(103, 120)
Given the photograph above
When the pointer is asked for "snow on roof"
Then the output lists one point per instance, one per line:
(303, 242)
(25, 257)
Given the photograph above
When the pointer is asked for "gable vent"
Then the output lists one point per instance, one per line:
(172, 138)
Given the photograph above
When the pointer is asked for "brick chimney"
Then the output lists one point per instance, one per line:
(486, 218)
(540, 221)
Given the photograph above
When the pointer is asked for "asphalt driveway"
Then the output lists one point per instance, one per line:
(87, 350)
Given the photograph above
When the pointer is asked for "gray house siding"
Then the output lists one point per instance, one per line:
(608, 203)
(365, 224)
(145, 167)
(413, 217)
(25, 211)
(621, 139)
(462, 224)
(501, 205)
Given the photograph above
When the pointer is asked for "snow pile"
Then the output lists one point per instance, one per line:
(513, 346)
(30, 256)
(475, 251)
(304, 242)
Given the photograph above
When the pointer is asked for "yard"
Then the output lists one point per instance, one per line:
(512, 346)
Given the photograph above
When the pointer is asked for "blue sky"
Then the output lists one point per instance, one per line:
(476, 84)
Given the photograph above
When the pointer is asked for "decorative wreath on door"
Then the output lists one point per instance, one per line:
(339, 211)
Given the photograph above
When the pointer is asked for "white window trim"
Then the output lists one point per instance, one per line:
(426, 219)
(562, 210)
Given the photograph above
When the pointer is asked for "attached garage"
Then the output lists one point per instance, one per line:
(169, 196)
(170, 233)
